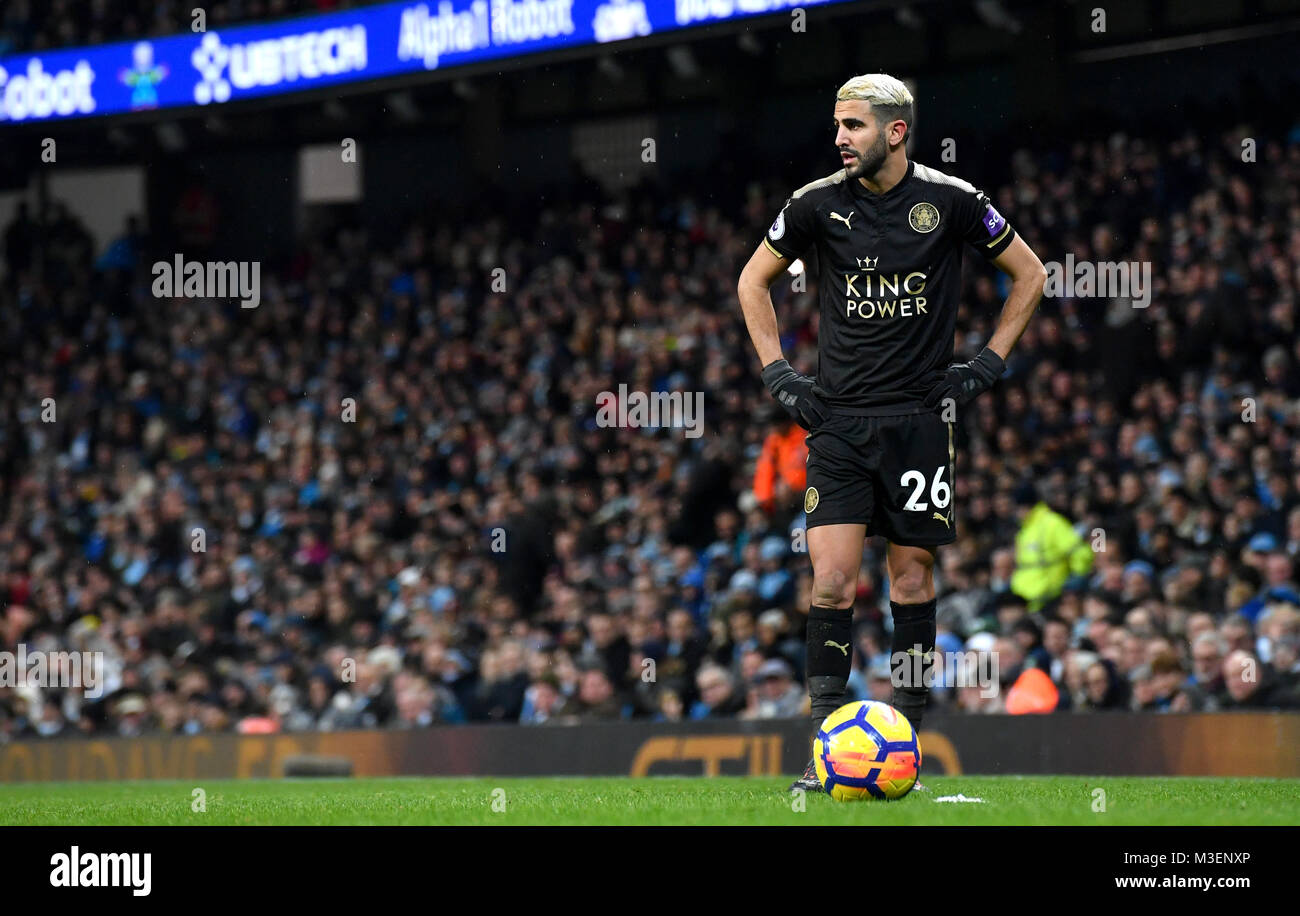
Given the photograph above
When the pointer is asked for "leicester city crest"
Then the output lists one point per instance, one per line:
(923, 217)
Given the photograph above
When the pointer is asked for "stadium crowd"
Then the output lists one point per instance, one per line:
(42, 25)
(382, 498)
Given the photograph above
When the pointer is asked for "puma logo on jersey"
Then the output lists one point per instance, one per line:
(843, 648)
(844, 219)
(947, 520)
(926, 657)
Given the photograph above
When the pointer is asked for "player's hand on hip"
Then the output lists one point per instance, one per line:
(795, 393)
(963, 382)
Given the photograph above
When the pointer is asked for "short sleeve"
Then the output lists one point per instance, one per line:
(982, 226)
(791, 234)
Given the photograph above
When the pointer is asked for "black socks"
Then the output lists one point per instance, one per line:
(912, 651)
(830, 657)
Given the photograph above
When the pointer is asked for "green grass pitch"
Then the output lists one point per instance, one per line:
(1007, 800)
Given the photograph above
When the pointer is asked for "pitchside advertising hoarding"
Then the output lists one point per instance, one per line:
(1103, 744)
(229, 64)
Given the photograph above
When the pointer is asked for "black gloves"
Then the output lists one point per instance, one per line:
(794, 392)
(963, 382)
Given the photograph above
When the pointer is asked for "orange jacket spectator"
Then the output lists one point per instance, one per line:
(784, 457)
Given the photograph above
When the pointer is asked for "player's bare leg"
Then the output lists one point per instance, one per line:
(911, 601)
(836, 554)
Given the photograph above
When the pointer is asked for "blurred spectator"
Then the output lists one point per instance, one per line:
(596, 698)
(1252, 684)
(20, 244)
(718, 695)
(670, 707)
(541, 700)
(1201, 690)
(1104, 688)
(776, 695)
(780, 473)
(1048, 550)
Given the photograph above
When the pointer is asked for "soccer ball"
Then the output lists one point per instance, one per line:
(866, 750)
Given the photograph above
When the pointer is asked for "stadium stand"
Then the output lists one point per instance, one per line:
(1171, 430)
(39, 25)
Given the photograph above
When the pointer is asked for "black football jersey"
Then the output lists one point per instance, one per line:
(889, 277)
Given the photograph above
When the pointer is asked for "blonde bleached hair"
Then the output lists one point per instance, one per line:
(890, 99)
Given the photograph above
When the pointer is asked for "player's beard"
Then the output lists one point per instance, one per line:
(869, 163)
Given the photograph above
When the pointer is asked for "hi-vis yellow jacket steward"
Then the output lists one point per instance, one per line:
(1048, 552)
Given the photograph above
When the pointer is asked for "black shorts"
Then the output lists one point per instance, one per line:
(893, 474)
